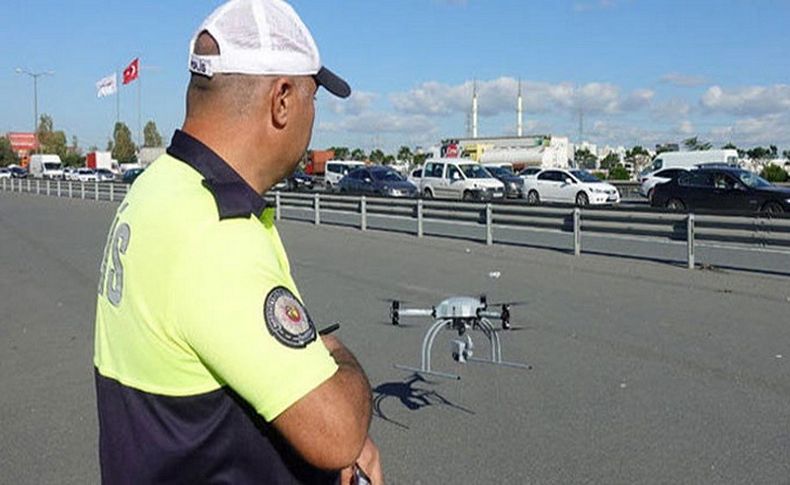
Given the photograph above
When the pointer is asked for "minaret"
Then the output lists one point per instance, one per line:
(474, 109)
(520, 113)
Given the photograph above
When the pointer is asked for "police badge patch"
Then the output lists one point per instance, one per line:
(287, 320)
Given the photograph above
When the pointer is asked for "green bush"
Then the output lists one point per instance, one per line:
(619, 173)
(600, 175)
(774, 173)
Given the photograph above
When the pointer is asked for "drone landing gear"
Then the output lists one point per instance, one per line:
(462, 349)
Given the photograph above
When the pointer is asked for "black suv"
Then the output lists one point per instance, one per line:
(721, 189)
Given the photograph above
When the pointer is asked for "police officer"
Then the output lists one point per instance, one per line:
(208, 366)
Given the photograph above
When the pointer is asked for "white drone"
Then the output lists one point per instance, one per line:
(460, 313)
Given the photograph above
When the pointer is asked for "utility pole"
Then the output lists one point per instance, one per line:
(35, 76)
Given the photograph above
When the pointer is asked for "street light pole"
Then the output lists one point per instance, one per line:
(35, 76)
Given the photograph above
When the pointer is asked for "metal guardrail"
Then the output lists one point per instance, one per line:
(107, 191)
(485, 221)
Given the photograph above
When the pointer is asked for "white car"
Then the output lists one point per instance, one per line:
(457, 178)
(573, 186)
(334, 170)
(530, 172)
(104, 175)
(650, 180)
(5, 173)
(86, 175)
(415, 176)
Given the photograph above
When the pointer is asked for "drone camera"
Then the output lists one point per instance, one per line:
(460, 351)
(505, 317)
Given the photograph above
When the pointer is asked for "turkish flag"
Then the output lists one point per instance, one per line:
(132, 71)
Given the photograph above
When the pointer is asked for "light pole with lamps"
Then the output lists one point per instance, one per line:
(35, 76)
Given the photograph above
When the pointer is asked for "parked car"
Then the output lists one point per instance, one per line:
(377, 180)
(689, 160)
(18, 172)
(69, 173)
(5, 173)
(415, 177)
(530, 172)
(334, 170)
(104, 175)
(86, 175)
(131, 175)
(575, 186)
(458, 178)
(721, 189)
(514, 185)
(299, 181)
(649, 181)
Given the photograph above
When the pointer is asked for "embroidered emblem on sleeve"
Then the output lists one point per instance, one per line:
(287, 320)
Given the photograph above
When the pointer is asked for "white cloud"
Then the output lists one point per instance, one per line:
(381, 123)
(685, 127)
(767, 129)
(685, 80)
(357, 103)
(751, 100)
(499, 96)
(671, 109)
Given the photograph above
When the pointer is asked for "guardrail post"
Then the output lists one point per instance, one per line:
(317, 208)
(58, 188)
(690, 240)
(489, 224)
(277, 204)
(28, 185)
(48, 187)
(363, 209)
(82, 190)
(96, 190)
(112, 192)
(577, 232)
(4, 182)
(70, 188)
(38, 187)
(419, 218)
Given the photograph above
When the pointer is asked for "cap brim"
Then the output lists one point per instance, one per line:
(333, 83)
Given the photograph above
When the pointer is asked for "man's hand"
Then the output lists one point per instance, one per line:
(369, 462)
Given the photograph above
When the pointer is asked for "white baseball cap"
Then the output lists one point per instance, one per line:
(262, 37)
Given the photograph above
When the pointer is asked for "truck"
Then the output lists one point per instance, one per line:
(97, 160)
(689, 160)
(46, 166)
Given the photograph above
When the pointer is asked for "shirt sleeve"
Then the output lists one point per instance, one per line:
(220, 309)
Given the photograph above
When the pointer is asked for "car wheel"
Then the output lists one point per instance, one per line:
(468, 196)
(773, 208)
(676, 205)
(427, 194)
(582, 199)
(533, 197)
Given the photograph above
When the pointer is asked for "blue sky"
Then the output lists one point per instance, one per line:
(642, 72)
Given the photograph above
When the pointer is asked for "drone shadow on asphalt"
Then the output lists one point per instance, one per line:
(412, 397)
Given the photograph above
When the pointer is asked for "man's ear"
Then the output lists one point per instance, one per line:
(283, 98)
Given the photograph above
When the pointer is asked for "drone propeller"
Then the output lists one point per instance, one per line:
(509, 303)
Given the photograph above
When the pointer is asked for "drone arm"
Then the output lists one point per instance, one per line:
(489, 314)
(416, 312)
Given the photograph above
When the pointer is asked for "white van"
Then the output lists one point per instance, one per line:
(334, 170)
(690, 160)
(458, 178)
(46, 166)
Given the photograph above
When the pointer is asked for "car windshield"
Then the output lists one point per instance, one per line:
(344, 169)
(474, 171)
(386, 175)
(753, 180)
(104, 171)
(51, 166)
(585, 176)
(500, 171)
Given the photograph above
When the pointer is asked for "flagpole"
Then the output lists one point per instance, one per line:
(117, 101)
(139, 106)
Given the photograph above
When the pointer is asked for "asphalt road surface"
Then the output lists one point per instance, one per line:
(643, 372)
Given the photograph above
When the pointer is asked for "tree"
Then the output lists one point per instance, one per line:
(50, 141)
(729, 146)
(584, 158)
(388, 160)
(610, 161)
(619, 173)
(636, 150)
(151, 136)
(376, 156)
(759, 153)
(358, 154)
(693, 144)
(341, 153)
(420, 158)
(404, 153)
(122, 147)
(774, 173)
(7, 154)
(786, 154)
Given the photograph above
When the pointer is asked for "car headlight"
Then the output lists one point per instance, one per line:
(596, 190)
(787, 200)
(515, 185)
